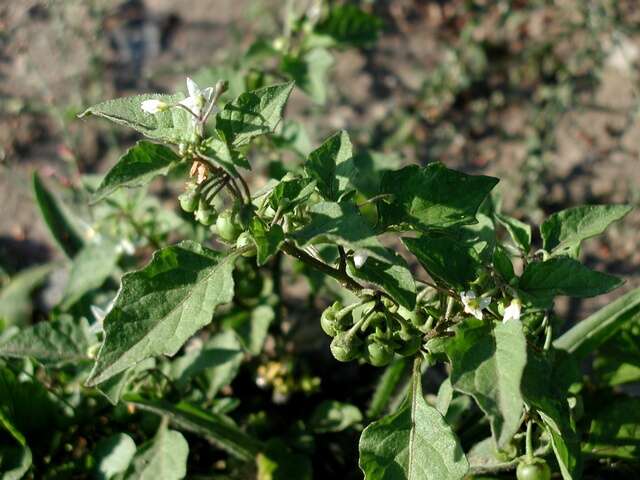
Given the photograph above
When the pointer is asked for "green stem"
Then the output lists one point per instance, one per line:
(529, 443)
(345, 280)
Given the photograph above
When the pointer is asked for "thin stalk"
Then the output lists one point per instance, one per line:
(529, 443)
(344, 280)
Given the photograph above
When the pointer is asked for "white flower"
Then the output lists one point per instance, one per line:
(512, 312)
(125, 246)
(474, 305)
(359, 257)
(154, 106)
(198, 100)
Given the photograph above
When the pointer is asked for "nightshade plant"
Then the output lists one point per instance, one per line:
(480, 303)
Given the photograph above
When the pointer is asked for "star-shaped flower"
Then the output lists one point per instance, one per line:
(513, 311)
(198, 100)
(474, 305)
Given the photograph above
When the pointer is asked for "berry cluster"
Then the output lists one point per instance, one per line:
(383, 330)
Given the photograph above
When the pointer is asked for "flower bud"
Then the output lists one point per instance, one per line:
(154, 106)
(359, 257)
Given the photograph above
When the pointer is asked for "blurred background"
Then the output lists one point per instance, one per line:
(543, 94)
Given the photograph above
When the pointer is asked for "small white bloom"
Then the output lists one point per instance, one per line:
(154, 106)
(359, 257)
(125, 246)
(474, 305)
(512, 312)
(198, 100)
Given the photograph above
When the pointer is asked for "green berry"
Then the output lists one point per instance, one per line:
(328, 320)
(227, 226)
(536, 470)
(418, 317)
(245, 240)
(410, 347)
(206, 214)
(189, 200)
(345, 346)
(378, 354)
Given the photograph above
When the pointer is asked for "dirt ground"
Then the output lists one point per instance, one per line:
(57, 57)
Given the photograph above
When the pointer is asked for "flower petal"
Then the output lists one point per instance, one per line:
(192, 87)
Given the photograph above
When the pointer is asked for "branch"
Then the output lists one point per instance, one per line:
(345, 280)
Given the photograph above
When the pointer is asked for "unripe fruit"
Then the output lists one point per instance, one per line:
(345, 346)
(410, 347)
(328, 320)
(245, 240)
(378, 354)
(418, 317)
(536, 470)
(227, 226)
(206, 214)
(189, 200)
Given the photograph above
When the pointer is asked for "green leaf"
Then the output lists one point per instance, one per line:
(291, 192)
(220, 357)
(386, 387)
(563, 232)
(413, 444)
(58, 341)
(484, 456)
(219, 151)
(164, 457)
(159, 307)
(349, 24)
(15, 461)
(252, 328)
(26, 411)
(7, 424)
(310, 71)
(217, 429)
(279, 462)
(54, 215)
(587, 335)
(91, 266)
(519, 231)
(174, 125)
(141, 164)
(618, 359)
(371, 166)
(332, 167)
(487, 364)
(333, 416)
(432, 197)
(502, 263)
(15, 298)
(615, 430)
(113, 455)
(481, 237)
(115, 387)
(542, 392)
(253, 113)
(444, 397)
(395, 278)
(267, 240)
(445, 259)
(564, 276)
(343, 224)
